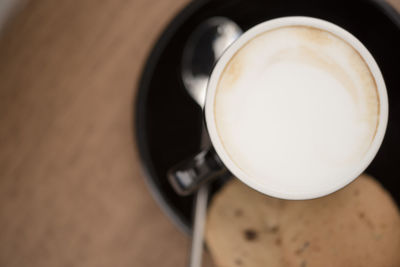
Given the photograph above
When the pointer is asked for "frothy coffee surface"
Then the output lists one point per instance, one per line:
(297, 107)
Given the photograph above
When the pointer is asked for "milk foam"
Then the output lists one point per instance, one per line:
(296, 107)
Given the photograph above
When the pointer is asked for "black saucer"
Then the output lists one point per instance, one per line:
(168, 121)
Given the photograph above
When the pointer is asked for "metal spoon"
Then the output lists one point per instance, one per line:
(204, 47)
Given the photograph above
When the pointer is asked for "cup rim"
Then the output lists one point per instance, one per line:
(284, 22)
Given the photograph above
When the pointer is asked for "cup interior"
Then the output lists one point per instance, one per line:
(276, 190)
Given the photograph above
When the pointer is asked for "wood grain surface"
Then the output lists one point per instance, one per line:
(71, 191)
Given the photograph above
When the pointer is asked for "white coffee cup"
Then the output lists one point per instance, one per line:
(278, 189)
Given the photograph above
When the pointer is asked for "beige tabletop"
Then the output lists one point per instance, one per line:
(71, 190)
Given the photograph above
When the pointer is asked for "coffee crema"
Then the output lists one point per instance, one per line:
(297, 107)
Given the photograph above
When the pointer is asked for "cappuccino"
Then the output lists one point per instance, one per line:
(296, 107)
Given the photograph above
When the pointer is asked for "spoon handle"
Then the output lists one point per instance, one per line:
(200, 213)
(196, 253)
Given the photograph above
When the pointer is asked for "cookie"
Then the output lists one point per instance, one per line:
(356, 226)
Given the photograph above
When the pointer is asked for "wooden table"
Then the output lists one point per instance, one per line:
(71, 191)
